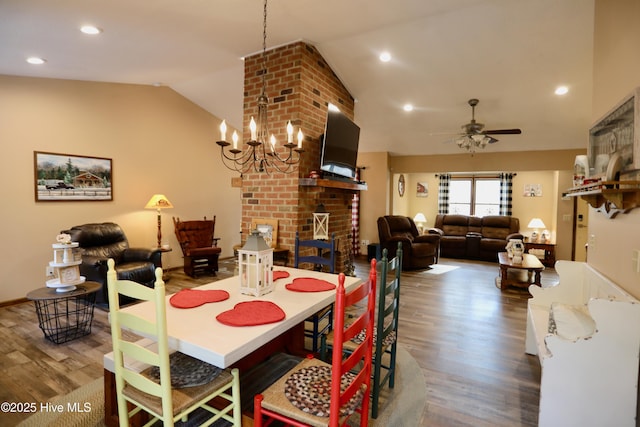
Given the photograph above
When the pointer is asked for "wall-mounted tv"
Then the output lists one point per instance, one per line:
(339, 146)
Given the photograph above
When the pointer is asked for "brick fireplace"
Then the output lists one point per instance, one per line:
(300, 85)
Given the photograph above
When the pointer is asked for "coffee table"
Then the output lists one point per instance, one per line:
(530, 263)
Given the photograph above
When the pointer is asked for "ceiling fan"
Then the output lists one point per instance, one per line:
(474, 136)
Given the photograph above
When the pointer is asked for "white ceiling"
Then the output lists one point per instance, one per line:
(511, 54)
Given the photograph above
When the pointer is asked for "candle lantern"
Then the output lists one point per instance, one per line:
(255, 261)
(321, 223)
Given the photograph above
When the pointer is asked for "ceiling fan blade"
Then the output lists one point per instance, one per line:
(503, 132)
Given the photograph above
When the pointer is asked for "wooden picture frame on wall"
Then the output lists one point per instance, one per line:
(71, 178)
(614, 140)
(268, 229)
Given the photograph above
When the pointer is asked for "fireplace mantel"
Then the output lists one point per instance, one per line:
(329, 183)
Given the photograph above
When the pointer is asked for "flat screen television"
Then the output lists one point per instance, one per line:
(339, 146)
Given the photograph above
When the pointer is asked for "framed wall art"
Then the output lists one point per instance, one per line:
(614, 140)
(422, 189)
(71, 178)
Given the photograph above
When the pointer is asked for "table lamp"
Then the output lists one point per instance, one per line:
(158, 202)
(420, 221)
(536, 224)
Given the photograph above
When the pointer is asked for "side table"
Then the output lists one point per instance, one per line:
(65, 316)
(549, 259)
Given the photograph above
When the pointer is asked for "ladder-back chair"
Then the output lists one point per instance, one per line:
(313, 252)
(318, 393)
(386, 332)
(172, 386)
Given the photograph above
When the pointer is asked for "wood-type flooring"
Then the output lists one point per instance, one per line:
(466, 335)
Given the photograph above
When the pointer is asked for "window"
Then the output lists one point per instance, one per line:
(479, 196)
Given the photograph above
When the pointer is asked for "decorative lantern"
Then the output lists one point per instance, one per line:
(255, 261)
(321, 223)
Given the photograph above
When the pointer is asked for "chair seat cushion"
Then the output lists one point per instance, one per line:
(186, 371)
(309, 389)
(203, 251)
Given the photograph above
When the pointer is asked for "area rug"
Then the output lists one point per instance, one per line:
(440, 269)
(401, 406)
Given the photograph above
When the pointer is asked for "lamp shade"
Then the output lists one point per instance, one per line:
(419, 218)
(536, 223)
(158, 201)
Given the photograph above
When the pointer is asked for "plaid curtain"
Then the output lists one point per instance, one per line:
(506, 190)
(443, 193)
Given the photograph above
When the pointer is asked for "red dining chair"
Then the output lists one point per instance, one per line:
(318, 393)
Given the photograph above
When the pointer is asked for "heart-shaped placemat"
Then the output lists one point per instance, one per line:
(309, 284)
(190, 298)
(251, 313)
(280, 274)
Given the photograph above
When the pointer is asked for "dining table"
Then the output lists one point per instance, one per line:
(197, 331)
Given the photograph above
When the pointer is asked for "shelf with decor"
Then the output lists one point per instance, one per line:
(612, 197)
(330, 183)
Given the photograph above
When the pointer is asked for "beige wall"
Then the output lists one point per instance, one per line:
(616, 73)
(159, 143)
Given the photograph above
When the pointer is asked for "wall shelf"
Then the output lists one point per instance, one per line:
(610, 197)
(330, 183)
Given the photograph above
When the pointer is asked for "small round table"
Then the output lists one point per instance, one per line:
(65, 316)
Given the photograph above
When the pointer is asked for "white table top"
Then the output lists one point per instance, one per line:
(196, 331)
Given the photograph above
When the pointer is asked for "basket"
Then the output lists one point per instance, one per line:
(65, 319)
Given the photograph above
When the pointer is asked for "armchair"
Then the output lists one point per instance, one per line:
(101, 241)
(418, 250)
(199, 246)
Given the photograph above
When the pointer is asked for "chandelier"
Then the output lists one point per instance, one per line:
(473, 142)
(260, 153)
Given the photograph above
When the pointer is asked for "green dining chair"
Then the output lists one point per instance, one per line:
(386, 332)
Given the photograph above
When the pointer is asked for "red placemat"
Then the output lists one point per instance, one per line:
(280, 274)
(190, 298)
(251, 313)
(310, 284)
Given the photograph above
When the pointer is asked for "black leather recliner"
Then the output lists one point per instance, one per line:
(100, 242)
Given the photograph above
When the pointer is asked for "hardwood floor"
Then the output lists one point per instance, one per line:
(466, 335)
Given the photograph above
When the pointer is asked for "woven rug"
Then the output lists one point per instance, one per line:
(400, 407)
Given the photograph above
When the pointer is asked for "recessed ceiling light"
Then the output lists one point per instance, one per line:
(407, 107)
(90, 29)
(562, 90)
(385, 57)
(35, 60)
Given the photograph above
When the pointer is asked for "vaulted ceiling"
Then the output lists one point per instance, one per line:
(510, 54)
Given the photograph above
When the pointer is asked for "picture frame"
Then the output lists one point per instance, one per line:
(268, 229)
(71, 178)
(614, 139)
(532, 190)
(422, 189)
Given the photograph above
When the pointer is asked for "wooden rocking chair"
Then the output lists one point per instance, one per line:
(199, 246)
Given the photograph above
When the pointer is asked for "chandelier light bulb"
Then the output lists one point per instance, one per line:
(223, 131)
(289, 132)
(252, 128)
(234, 138)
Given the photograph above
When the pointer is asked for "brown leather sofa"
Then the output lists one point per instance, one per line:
(470, 237)
(418, 251)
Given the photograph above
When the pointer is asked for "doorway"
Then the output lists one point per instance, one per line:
(580, 229)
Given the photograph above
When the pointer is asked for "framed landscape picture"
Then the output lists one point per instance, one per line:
(70, 177)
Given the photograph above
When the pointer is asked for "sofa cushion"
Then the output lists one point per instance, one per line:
(571, 322)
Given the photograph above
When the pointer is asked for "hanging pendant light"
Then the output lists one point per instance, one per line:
(260, 153)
